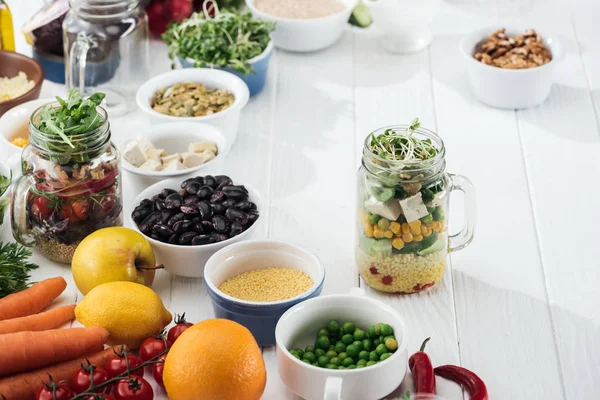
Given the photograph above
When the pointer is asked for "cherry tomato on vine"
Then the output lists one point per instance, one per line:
(55, 391)
(177, 330)
(133, 389)
(117, 365)
(152, 347)
(82, 379)
(157, 371)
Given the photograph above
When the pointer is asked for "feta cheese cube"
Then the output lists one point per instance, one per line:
(152, 165)
(144, 144)
(413, 207)
(156, 154)
(134, 154)
(171, 157)
(390, 209)
(199, 147)
(173, 165)
(191, 160)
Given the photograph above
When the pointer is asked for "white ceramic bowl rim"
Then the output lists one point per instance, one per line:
(376, 303)
(299, 21)
(222, 149)
(306, 293)
(254, 197)
(241, 97)
(35, 104)
(253, 60)
(476, 36)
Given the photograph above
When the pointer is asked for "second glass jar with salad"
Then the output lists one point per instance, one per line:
(403, 193)
(71, 184)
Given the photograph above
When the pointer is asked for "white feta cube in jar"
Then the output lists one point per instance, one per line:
(413, 207)
(390, 209)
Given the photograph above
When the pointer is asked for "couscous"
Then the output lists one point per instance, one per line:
(11, 88)
(267, 284)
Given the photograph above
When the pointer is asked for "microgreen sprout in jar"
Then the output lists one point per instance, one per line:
(395, 145)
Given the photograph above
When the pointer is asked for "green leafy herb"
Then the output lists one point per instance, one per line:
(395, 145)
(229, 39)
(14, 268)
(4, 202)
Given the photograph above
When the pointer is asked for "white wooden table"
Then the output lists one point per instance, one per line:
(520, 305)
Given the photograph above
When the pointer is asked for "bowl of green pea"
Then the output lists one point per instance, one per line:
(349, 347)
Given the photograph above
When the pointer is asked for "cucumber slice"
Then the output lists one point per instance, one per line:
(412, 247)
(383, 194)
(433, 245)
(375, 247)
(361, 16)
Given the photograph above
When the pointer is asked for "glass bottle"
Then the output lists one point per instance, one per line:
(402, 230)
(7, 33)
(63, 194)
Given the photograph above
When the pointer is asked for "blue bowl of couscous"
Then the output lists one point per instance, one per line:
(254, 282)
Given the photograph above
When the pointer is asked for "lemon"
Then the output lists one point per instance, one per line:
(129, 311)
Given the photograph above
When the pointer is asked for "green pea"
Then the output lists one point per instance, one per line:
(346, 362)
(381, 349)
(331, 354)
(427, 219)
(347, 339)
(374, 218)
(323, 342)
(323, 332)
(341, 367)
(371, 332)
(310, 357)
(427, 195)
(373, 356)
(323, 361)
(438, 213)
(362, 362)
(315, 364)
(340, 347)
(333, 326)
(367, 344)
(306, 360)
(378, 328)
(388, 337)
(309, 349)
(364, 355)
(335, 361)
(360, 366)
(297, 356)
(352, 350)
(351, 367)
(348, 327)
(370, 363)
(300, 352)
(294, 352)
(331, 366)
(383, 223)
(387, 330)
(358, 344)
(359, 334)
(385, 356)
(342, 355)
(331, 347)
(391, 344)
(319, 352)
(376, 342)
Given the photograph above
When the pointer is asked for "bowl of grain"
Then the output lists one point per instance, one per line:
(14, 125)
(21, 80)
(305, 26)
(254, 282)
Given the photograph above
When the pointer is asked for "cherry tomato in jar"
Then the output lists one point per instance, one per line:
(157, 371)
(40, 208)
(118, 365)
(152, 347)
(99, 397)
(82, 379)
(67, 212)
(104, 206)
(178, 329)
(55, 391)
(133, 389)
(81, 208)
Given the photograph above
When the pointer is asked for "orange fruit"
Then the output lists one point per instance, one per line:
(216, 359)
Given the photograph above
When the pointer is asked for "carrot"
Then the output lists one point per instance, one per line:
(24, 351)
(39, 322)
(32, 300)
(23, 386)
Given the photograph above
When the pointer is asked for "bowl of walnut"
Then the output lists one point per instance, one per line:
(511, 68)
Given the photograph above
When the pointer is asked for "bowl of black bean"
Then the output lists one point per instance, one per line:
(187, 222)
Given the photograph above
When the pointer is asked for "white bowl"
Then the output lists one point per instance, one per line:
(509, 88)
(190, 260)
(174, 138)
(227, 121)
(304, 35)
(297, 328)
(15, 121)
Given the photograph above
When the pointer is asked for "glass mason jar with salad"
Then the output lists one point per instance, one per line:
(403, 191)
(71, 184)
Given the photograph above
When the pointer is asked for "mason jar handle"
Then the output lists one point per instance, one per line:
(465, 236)
(18, 210)
(78, 61)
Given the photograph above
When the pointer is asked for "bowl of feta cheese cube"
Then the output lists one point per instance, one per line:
(174, 149)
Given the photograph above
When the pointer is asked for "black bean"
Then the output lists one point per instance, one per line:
(165, 215)
(174, 239)
(217, 197)
(252, 218)
(197, 219)
(235, 187)
(222, 178)
(189, 209)
(236, 229)
(147, 224)
(227, 182)
(233, 214)
(207, 226)
(139, 215)
(229, 203)
(205, 192)
(154, 197)
(175, 218)
(191, 199)
(221, 224)
(173, 200)
(183, 193)
(188, 181)
(202, 239)
(218, 208)
(159, 204)
(210, 180)
(198, 227)
(236, 194)
(192, 188)
(245, 205)
(162, 231)
(186, 238)
(219, 237)
(146, 203)
(156, 237)
(183, 226)
(206, 211)
(165, 192)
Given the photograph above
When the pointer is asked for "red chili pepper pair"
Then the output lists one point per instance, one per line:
(424, 375)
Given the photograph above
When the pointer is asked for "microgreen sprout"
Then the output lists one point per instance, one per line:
(402, 146)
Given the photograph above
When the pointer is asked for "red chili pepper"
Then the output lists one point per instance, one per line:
(467, 379)
(422, 371)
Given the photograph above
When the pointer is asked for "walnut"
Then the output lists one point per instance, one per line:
(523, 51)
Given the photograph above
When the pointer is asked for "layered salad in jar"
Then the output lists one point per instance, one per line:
(402, 207)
